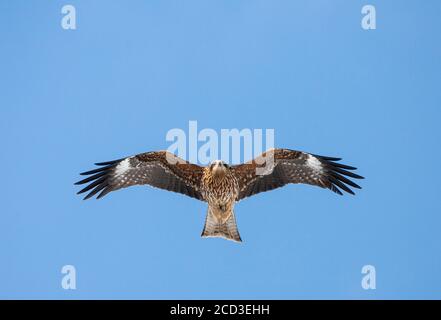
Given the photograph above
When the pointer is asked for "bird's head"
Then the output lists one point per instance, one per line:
(218, 167)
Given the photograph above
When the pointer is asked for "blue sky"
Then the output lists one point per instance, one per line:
(133, 71)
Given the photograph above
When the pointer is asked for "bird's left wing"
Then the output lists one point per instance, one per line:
(159, 169)
(279, 167)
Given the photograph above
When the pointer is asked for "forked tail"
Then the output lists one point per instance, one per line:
(214, 228)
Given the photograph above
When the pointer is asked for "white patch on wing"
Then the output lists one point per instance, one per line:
(314, 163)
(122, 167)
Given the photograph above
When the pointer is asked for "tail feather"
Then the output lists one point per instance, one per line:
(227, 230)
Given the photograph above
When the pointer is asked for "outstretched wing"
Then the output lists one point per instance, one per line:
(160, 169)
(279, 167)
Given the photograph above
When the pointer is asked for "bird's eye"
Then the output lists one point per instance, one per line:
(226, 165)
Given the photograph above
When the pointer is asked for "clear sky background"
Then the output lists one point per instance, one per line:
(135, 69)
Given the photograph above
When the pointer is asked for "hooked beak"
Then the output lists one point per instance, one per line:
(218, 169)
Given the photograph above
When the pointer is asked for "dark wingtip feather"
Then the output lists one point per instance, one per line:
(97, 189)
(104, 192)
(341, 178)
(335, 189)
(106, 163)
(88, 196)
(347, 173)
(91, 178)
(98, 169)
(327, 158)
(341, 185)
(337, 173)
(343, 166)
(98, 180)
(94, 184)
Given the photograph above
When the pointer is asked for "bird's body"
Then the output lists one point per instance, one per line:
(218, 184)
(221, 189)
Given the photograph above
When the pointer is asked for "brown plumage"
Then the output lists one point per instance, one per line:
(220, 185)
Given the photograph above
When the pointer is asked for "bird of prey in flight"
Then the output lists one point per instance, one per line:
(219, 184)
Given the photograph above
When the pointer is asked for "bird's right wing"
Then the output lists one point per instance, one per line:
(284, 166)
(159, 169)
